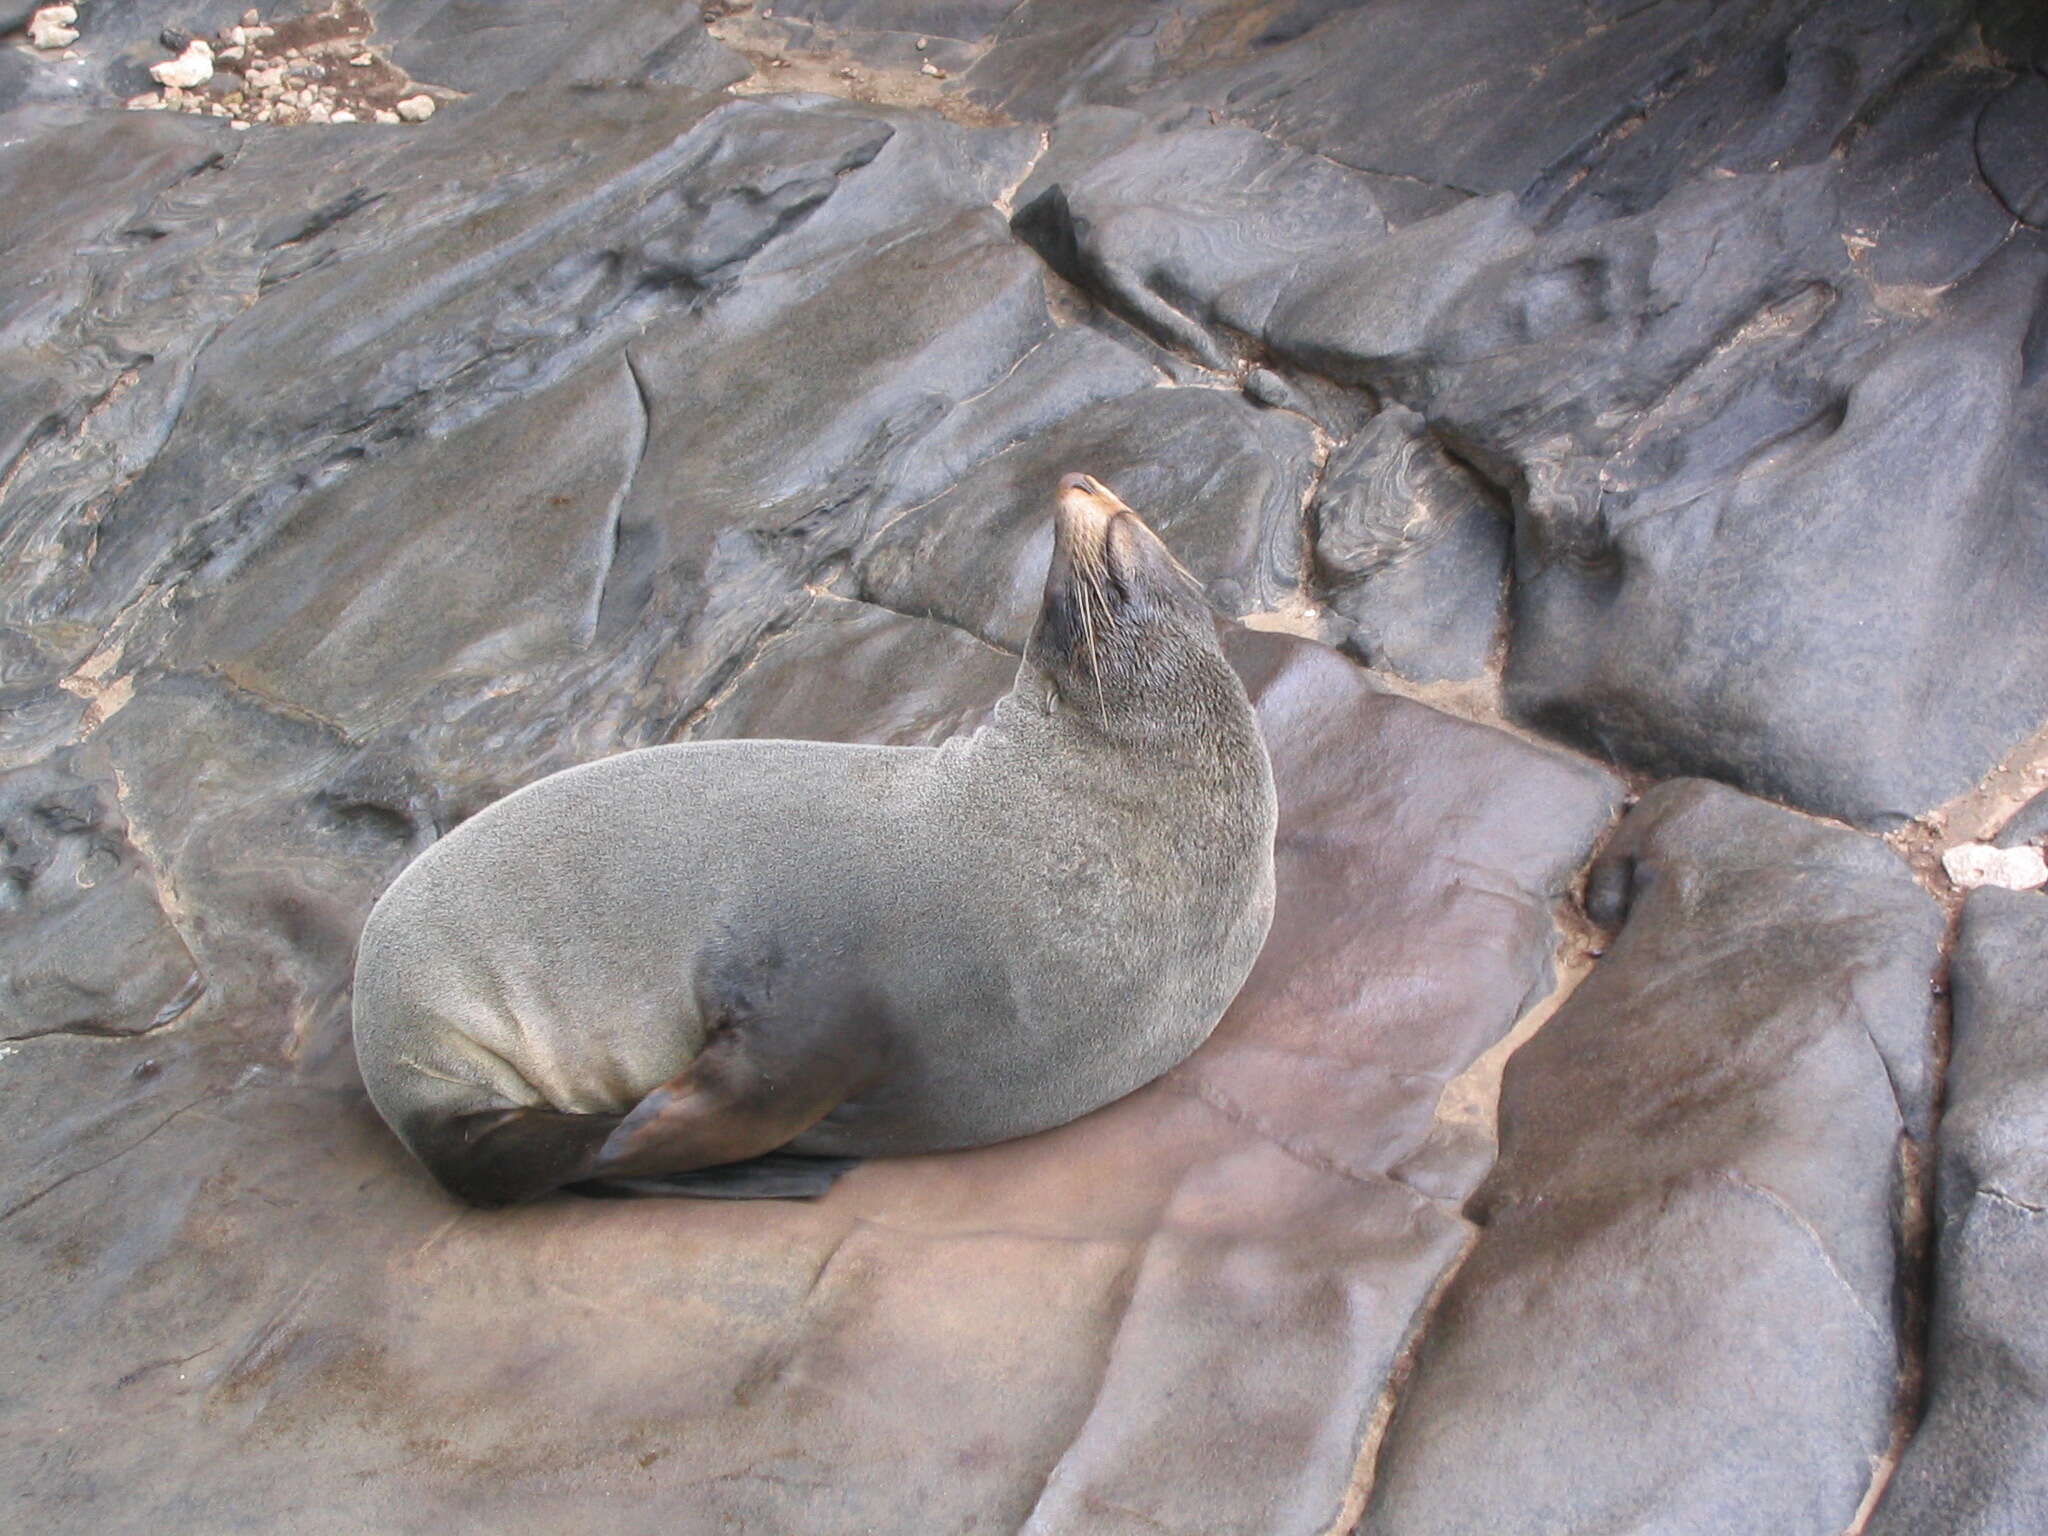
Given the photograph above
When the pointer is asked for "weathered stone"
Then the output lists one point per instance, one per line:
(1679, 1311)
(190, 69)
(1222, 480)
(86, 947)
(1411, 548)
(1970, 865)
(51, 27)
(1978, 1465)
(1185, 231)
(2028, 825)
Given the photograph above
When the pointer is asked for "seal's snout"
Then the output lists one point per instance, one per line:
(1086, 506)
(1084, 493)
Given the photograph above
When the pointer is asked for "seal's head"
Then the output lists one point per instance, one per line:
(1123, 635)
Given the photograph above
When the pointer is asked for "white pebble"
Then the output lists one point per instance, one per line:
(1970, 865)
(51, 26)
(929, 68)
(343, 116)
(148, 101)
(416, 109)
(193, 67)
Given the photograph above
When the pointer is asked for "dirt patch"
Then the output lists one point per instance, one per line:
(1974, 817)
(316, 68)
(811, 58)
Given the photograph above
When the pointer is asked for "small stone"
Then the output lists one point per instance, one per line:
(923, 43)
(929, 68)
(250, 17)
(234, 37)
(1970, 865)
(318, 113)
(176, 39)
(148, 101)
(51, 27)
(240, 125)
(363, 60)
(381, 115)
(233, 51)
(416, 109)
(191, 68)
(343, 116)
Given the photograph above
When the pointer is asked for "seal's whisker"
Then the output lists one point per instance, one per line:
(1090, 593)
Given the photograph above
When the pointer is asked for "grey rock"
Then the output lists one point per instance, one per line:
(1361, 322)
(847, 671)
(86, 947)
(1411, 549)
(1668, 300)
(1222, 480)
(1679, 1313)
(2012, 147)
(1912, 194)
(1978, 1464)
(1183, 231)
(2028, 825)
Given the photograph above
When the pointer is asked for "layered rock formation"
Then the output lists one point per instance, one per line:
(1569, 399)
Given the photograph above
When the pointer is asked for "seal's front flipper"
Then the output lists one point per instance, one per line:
(505, 1156)
(775, 1176)
(753, 1089)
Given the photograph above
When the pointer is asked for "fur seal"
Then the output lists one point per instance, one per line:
(735, 956)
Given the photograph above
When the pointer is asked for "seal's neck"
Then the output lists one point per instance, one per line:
(1199, 716)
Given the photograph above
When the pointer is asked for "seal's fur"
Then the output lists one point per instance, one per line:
(694, 955)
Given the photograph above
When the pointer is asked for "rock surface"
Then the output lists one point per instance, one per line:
(1661, 382)
(1680, 1311)
(1979, 1466)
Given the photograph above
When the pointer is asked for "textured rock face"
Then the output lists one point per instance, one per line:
(1980, 1463)
(1658, 386)
(1679, 1311)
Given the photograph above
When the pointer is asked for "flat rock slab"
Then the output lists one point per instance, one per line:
(1978, 1466)
(1679, 1312)
(1175, 1314)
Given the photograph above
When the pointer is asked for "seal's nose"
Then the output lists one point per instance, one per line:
(1086, 493)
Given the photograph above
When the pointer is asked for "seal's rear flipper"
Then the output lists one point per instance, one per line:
(749, 1093)
(774, 1176)
(505, 1156)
